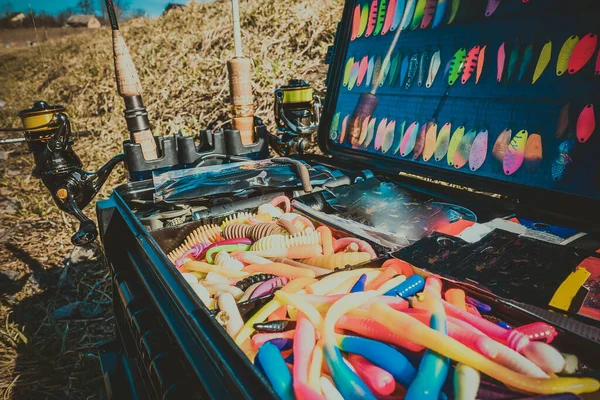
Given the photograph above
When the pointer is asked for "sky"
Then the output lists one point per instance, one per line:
(153, 8)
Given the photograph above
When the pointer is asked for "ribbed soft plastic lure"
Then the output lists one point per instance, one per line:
(562, 161)
(424, 64)
(398, 13)
(362, 70)
(389, 17)
(442, 142)
(563, 121)
(355, 23)
(347, 71)
(398, 137)
(457, 65)
(386, 70)
(457, 137)
(404, 69)
(430, 141)
(394, 68)
(364, 19)
(527, 54)
(380, 133)
(440, 12)
(370, 133)
(501, 145)
(413, 68)
(353, 75)
(583, 52)
(586, 123)
(408, 140)
(372, 18)
(419, 13)
(376, 70)
(480, 62)
(343, 131)
(370, 70)
(409, 11)
(454, 10)
(513, 61)
(434, 67)
(380, 17)
(501, 60)
(429, 13)
(461, 155)
(543, 61)
(420, 142)
(388, 138)
(363, 132)
(562, 65)
(492, 5)
(479, 150)
(533, 152)
(470, 64)
(515, 154)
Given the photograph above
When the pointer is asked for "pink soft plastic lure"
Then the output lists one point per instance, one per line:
(372, 18)
(586, 123)
(420, 142)
(492, 6)
(408, 140)
(479, 150)
(362, 70)
(583, 52)
(501, 62)
(513, 159)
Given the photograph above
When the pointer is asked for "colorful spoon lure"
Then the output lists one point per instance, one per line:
(353, 75)
(454, 11)
(404, 69)
(515, 154)
(394, 69)
(501, 145)
(355, 23)
(376, 71)
(586, 123)
(370, 69)
(471, 63)
(492, 5)
(480, 62)
(442, 142)
(398, 13)
(419, 13)
(370, 132)
(429, 13)
(347, 71)
(424, 65)
(513, 61)
(527, 54)
(420, 142)
(408, 14)
(386, 70)
(565, 54)
(461, 156)
(380, 133)
(457, 137)
(388, 138)
(413, 67)
(501, 61)
(335, 126)
(430, 141)
(363, 131)
(398, 138)
(440, 12)
(563, 121)
(364, 20)
(409, 139)
(543, 61)
(479, 150)
(533, 152)
(583, 52)
(457, 65)
(562, 161)
(380, 17)
(362, 70)
(389, 17)
(372, 18)
(343, 131)
(434, 67)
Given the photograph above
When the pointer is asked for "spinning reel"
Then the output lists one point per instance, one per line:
(297, 115)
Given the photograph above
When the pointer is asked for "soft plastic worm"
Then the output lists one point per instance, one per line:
(378, 379)
(301, 222)
(359, 285)
(228, 305)
(318, 271)
(205, 268)
(326, 240)
(279, 269)
(409, 287)
(245, 283)
(339, 260)
(329, 389)
(450, 348)
(237, 218)
(466, 382)
(333, 280)
(300, 251)
(456, 297)
(260, 316)
(273, 211)
(275, 369)
(281, 241)
(235, 230)
(260, 231)
(223, 259)
(268, 287)
(192, 254)
(538, 331)
(304, 343)
(363, 246)
(202, 234)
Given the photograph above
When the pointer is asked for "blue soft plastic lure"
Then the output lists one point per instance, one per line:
(273, 365)
(411, 286)
(347, 382)
(359, 286)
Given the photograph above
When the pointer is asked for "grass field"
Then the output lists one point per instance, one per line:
(19, 37)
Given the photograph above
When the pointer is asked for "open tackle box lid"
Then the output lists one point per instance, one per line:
(511, 88)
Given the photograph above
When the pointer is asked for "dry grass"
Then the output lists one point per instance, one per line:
(181, 61)
(18, 37)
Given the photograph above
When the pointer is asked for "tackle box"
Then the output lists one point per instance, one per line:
(393, 79)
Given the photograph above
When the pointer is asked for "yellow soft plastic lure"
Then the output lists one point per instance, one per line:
(347, 71)
(364, 18)
(543, 61)
(565, 54)
(457, 137)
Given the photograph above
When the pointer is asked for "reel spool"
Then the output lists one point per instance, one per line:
(297, 115)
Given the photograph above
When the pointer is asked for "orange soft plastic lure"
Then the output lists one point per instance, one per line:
(372, 18)
(543, 61)
(479, 150)
(461, 155)
(586, 123)
(430, 141)
(362, 70)
(364, 19)
(515, 154)
(355, 23)
(470, 64)
(457, 65)
(565, 54)
(442, 142)
(583, 52)
(501, 61)
(389, 17)
(501, 145)
(563, 121)
(388, 138)
(492, 6)
(429, 13)
(533, 152)
(480, 62)
(457, 137)
(420, 142)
